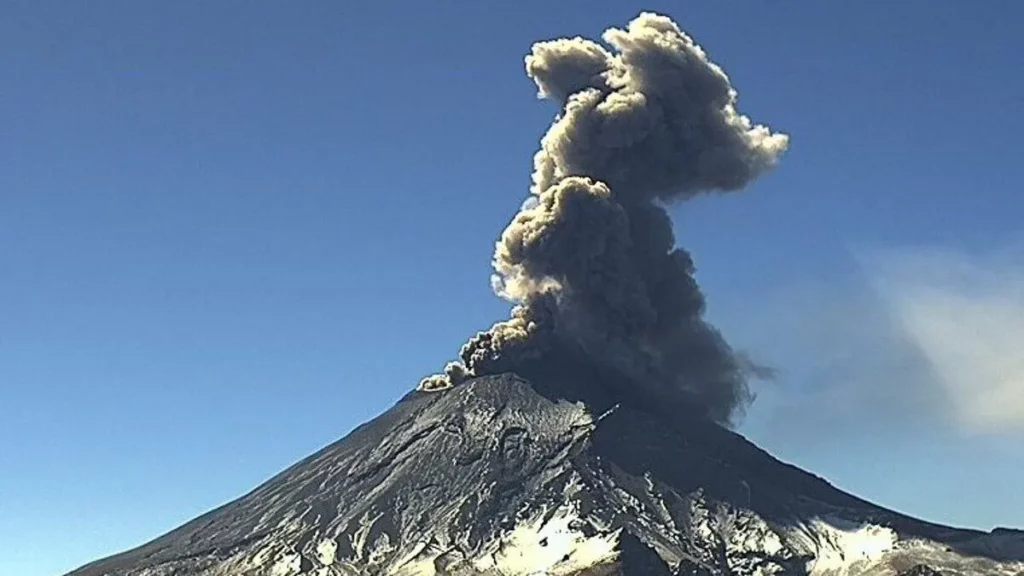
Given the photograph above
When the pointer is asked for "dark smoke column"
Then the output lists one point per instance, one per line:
(590, 263)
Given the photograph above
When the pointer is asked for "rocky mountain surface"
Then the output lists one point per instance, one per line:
(507, 476)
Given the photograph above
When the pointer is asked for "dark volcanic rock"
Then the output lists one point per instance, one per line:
(502, 476)
(920, 570)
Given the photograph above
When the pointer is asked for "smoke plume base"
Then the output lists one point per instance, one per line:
(590, 263)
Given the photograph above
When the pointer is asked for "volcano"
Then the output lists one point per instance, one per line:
(588, 433)
(548, 475)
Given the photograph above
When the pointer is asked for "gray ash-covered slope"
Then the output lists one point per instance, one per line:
(505, 476)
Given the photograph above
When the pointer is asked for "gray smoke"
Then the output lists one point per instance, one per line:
(591, 262)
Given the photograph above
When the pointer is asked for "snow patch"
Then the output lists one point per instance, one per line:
(327, 551)
(840, 545)
(551, 547)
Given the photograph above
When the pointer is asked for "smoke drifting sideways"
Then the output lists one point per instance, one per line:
(590, 260)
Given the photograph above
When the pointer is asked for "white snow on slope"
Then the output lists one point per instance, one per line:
(841, 547)
(551, 547)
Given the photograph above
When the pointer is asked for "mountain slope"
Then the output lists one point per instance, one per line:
(501, 475)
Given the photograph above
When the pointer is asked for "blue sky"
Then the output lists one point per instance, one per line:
(230, 232)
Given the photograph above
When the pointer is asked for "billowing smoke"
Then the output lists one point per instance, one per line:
(590, 261)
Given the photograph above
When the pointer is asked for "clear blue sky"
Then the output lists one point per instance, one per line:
(232, 231)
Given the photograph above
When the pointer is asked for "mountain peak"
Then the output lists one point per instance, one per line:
(504, 476)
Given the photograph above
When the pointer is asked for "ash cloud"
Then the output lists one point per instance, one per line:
(591, 263)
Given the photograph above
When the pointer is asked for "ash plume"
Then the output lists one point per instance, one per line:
(590, 261)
